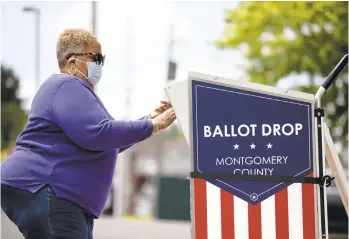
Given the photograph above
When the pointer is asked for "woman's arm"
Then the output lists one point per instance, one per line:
(78, 113)
(129, 146)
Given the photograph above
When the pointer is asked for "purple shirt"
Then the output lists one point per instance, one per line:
(71, 142)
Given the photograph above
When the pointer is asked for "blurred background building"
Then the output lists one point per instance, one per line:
(149, 44)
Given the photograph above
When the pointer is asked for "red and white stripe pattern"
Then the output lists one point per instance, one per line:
(289, 214)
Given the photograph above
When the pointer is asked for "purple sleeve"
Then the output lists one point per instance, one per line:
(79, 114)
(129, 146)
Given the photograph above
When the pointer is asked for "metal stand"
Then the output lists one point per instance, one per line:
(319, 114)
(336, 167)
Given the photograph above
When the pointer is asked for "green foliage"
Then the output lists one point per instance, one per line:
(13, 117)
(284, 38)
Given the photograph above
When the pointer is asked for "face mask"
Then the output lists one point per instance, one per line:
(94, 72)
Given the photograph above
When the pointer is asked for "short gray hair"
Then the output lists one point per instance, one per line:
(72, 41)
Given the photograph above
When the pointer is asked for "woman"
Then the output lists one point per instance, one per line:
(59, 176)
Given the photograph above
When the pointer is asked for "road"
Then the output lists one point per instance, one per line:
(116, 229)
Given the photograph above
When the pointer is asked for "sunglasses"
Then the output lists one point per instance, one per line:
(96, 56)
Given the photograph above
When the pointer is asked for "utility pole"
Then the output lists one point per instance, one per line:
(160, 144)
(36, 11)
(123, 168)
(171, 75)
(94, 18)
(172, 66)
(129, 79)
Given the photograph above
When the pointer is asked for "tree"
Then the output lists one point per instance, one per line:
(13, 117)
(284, 38)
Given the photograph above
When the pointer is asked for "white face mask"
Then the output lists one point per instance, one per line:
(94, 72)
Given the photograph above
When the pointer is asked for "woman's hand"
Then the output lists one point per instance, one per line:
(163, 120)
(164, 105)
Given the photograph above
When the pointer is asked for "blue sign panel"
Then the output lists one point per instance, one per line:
(246, 133)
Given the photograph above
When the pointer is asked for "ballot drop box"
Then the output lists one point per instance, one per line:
(256, 162)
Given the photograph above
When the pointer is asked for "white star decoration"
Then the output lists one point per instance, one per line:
(253, 146)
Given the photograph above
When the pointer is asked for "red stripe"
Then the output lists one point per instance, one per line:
(200, 210)
(227, 215)
(308, 204)
(281, 214)
(254, 221)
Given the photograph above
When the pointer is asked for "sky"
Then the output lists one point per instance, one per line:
(135, 39)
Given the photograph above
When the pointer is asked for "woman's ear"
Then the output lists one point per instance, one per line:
(71, 66)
